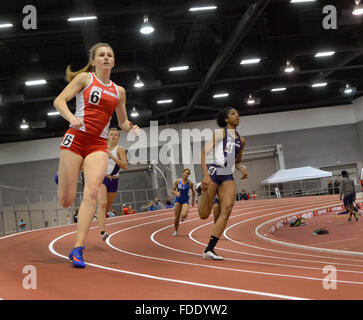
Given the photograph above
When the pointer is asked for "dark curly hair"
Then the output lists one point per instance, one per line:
(222, 116)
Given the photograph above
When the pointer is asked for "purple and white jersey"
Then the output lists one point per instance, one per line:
(225, 151)
(113, 169)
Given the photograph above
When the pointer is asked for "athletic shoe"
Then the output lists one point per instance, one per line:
(356, 216)
(181, 220)
(349, 219)
(211, 255)
(175, 233)
(198, 188)
(104, 236)
(76, 255)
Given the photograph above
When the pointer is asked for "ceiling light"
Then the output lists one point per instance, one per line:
(298, 1)
(24, 125)
(193, 9)
(55, 113)
(252, 100)
(221, 95)
(6, 25)
(250, 61)
(164, 101)
(134, 113)
(146, 27)
(289, 67)
(358, 9)
(320, 84)
(138, 82)
(348, 89)
(81, 18)
(35, 82)
(324, 54)
(180, 68)
(278, 89)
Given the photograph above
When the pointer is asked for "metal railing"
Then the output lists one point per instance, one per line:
(38, 209)
(41, 209)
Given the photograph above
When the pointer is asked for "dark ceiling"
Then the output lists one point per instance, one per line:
(211, 43)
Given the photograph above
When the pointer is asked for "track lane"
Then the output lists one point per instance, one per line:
(141, 254)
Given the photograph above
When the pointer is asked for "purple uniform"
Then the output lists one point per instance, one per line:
(112, 170)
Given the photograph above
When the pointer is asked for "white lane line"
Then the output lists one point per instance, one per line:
(272, 295)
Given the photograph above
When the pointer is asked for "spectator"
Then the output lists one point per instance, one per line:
(169, 205)
(151, 206)
(330, 187)
(144, 208)
(113, 211)
(68, 219)
(75, 217)
(239, 196)
(157, 204)
(254, 195)
(125, 209)
(131, 211)
(244, 195)
(22, 225)
(171, 200)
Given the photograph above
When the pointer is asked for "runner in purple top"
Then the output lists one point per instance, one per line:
(219, 158)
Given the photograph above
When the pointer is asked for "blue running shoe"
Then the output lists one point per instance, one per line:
(76, 255)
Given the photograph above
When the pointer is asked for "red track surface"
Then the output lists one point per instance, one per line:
(142, 260)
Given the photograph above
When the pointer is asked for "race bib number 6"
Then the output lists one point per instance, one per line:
(67, 141)
(95, 95)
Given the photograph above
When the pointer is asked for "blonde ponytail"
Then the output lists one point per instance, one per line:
(70, 75)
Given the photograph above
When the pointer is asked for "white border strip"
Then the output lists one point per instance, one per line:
(289, 244)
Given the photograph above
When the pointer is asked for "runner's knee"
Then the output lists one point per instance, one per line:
(91, 192)
(204, 212)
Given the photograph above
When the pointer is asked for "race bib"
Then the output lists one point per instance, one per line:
(95, 95)
(212, 170)
(67, 140)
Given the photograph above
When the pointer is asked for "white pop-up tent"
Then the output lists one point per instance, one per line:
(298, 181)
(296, 174)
